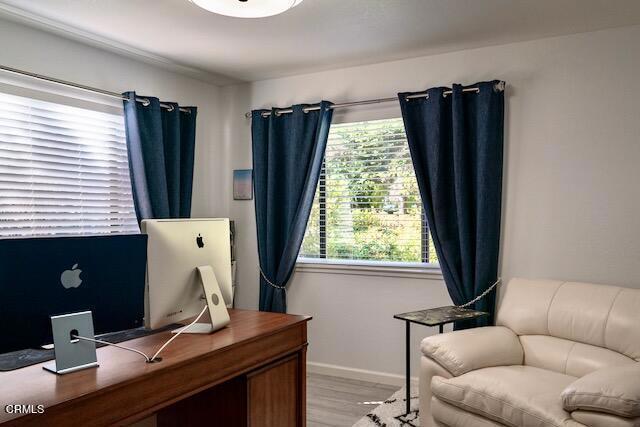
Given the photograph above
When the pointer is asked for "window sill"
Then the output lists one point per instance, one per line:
(370, 268)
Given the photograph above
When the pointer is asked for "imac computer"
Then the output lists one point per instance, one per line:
(48, 276)
(176, 250)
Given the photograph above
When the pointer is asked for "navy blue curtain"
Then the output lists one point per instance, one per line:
(288, 150)
(161, 146)
(456, 145)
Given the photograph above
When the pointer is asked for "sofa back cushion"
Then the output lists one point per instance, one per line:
(569, 357)
(599, 315)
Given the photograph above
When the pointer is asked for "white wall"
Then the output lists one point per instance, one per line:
(572, 200)
(29, 49)
(572, 193)
(39, 52)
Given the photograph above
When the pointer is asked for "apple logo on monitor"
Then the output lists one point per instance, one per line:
(71, 278)
(199, 241)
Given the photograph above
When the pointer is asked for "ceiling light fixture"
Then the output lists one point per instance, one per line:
(247, 8)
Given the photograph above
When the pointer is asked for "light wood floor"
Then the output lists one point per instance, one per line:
(340, 402)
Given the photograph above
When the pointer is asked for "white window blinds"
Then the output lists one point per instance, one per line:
(367, 205)
(63, 171)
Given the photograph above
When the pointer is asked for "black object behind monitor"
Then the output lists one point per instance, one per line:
(41, 277)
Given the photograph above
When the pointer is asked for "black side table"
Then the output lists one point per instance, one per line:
(432, 317)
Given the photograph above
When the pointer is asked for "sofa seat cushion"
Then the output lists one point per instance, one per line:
(452, 416)
(512, 395)
(600, 419)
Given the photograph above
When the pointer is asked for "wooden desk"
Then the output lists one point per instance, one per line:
(250, 374)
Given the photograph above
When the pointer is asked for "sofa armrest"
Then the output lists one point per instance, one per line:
(462, 351)
(613, 390)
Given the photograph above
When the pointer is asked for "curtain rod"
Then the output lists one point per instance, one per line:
(499, 87)
(143, 101)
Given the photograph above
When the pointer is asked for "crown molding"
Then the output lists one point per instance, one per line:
(21, 16)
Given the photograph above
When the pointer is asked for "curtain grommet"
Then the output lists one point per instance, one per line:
(171, 108)
(410, 97)
(145, 102)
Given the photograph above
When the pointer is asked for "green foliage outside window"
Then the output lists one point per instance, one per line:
(372, 204)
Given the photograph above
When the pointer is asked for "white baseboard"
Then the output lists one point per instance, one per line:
(359, 374)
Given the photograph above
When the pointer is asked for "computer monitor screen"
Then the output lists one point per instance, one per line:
(176, 247)
(41, 277)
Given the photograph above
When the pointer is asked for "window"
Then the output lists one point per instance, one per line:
(367, 206)
(63, 171)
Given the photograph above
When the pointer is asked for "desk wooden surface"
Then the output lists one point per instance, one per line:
(125, 389)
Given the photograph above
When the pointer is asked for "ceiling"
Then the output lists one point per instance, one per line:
(316, 35)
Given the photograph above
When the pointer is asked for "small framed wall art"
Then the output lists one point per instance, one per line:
(243, 184)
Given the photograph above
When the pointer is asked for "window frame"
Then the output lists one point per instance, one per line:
(409, 270)
(322, 264)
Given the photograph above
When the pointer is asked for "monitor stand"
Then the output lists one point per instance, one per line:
(215, 302)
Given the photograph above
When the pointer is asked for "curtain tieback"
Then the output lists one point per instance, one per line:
(266, 279)
(479, 297)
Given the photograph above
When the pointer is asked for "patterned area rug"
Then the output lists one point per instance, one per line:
(391, 413)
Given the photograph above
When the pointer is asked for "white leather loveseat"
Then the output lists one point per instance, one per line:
(561, 354)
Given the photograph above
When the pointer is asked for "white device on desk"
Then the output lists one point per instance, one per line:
(215, 302)
(174, 289)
